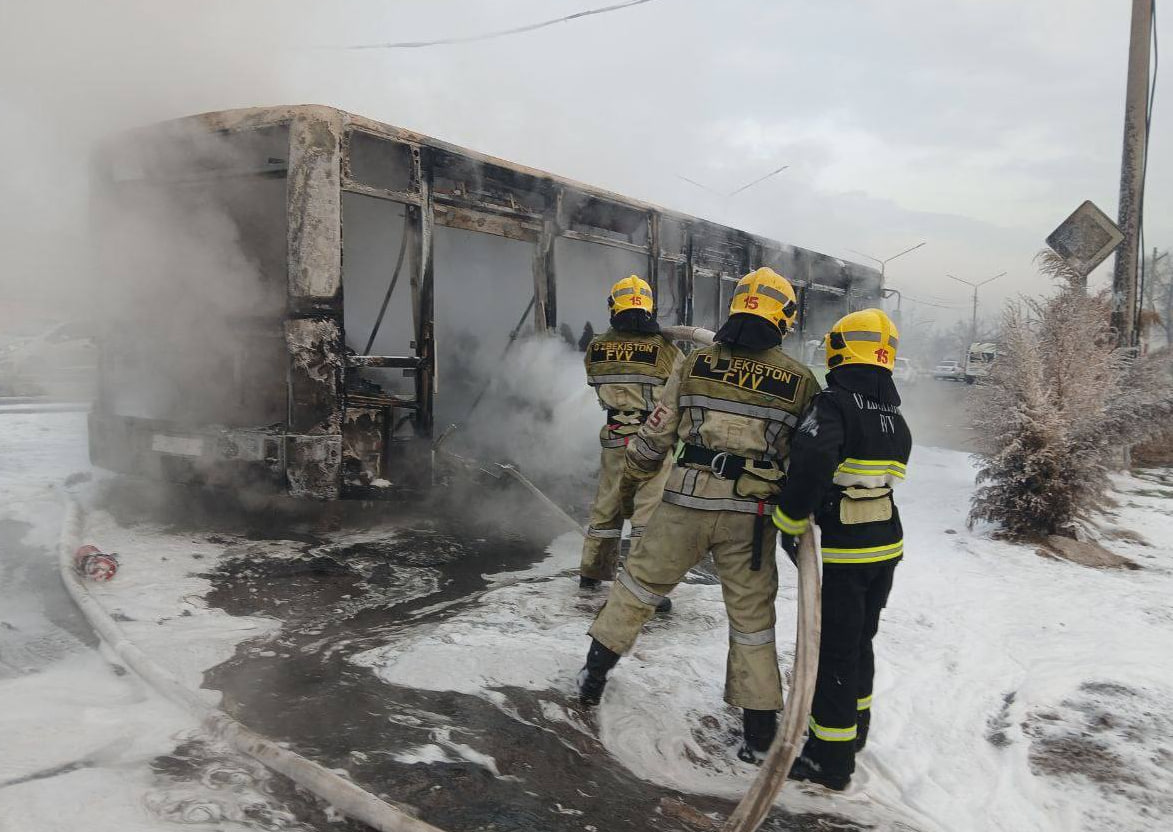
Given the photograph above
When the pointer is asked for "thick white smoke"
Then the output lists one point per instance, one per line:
(538, 412)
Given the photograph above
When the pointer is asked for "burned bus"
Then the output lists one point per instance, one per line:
(292, 294)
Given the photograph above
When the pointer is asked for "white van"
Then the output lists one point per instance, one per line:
(978, 360)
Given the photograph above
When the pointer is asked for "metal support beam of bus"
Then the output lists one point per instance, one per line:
(394, 362)
(404, 197)
(604, 241)
(487, 223)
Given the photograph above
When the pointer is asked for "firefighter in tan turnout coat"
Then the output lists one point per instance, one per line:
(628, 367)
(727, 414)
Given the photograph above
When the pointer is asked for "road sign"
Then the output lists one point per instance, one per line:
(1085, 238)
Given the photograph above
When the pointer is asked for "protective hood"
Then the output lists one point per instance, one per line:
(749, 332)
(635, 320)
(873, 382)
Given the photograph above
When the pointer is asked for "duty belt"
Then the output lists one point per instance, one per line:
(725, 465)
(721, 464)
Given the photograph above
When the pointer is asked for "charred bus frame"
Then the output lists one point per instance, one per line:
(335, 439)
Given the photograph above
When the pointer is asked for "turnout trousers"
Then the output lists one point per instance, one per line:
(676, 540)
(600, 549)
(853, 597)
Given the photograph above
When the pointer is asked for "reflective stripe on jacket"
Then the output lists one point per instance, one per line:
(848, 453)
(628, 371)
(724, 399)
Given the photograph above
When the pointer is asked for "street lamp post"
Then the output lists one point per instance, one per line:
(884, 263)
(975, 286)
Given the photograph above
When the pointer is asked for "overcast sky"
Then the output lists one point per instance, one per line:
(974, 125)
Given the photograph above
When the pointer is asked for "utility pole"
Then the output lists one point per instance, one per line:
(1136, 106)
(975, 286)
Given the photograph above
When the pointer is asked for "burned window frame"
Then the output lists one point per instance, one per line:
(453, 187)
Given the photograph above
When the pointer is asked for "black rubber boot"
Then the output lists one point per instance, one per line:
(863, 721)
(588, 583)
(758, 729)
(664, 606)
(806, 769)
(592, 679)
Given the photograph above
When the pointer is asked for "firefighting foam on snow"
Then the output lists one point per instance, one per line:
(556, 417)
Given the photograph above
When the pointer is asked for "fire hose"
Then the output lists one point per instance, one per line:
(342, 794)
(353, 801)
(755, 805)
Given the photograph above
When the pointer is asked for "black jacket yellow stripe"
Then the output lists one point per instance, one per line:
(852, 436)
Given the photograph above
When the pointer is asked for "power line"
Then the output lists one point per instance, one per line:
(735, 192)
(934, 305)
(699, 185)
(938, 299)
(532, 27)
(760, 179)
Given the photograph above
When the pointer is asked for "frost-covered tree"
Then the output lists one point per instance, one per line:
(1147, 409)
(1021, 455)
(1060, 403)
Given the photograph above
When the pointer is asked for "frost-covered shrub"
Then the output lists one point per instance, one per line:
(1060, 403)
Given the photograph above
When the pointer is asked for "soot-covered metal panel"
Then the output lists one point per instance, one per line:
(315, 212)
(385, 431)
(313, 449)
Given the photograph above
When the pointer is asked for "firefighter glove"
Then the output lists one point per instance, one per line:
(789, 531)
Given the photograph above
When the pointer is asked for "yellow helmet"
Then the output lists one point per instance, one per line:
(768, 295)
(864, 337)
(631, 292)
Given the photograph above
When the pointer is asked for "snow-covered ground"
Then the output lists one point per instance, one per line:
(82, 736)
(1013, 692)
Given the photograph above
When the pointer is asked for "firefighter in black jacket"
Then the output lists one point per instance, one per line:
(849, 451)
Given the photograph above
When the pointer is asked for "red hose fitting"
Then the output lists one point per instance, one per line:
(92, 563)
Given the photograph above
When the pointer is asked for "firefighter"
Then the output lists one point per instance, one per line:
(628, 367)
(851, 448)
(731, 408)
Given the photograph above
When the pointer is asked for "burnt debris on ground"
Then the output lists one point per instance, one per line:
(339, 593)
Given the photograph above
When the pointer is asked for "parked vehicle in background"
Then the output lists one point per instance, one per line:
(948, 371)
(904, 372)
(978, 360)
